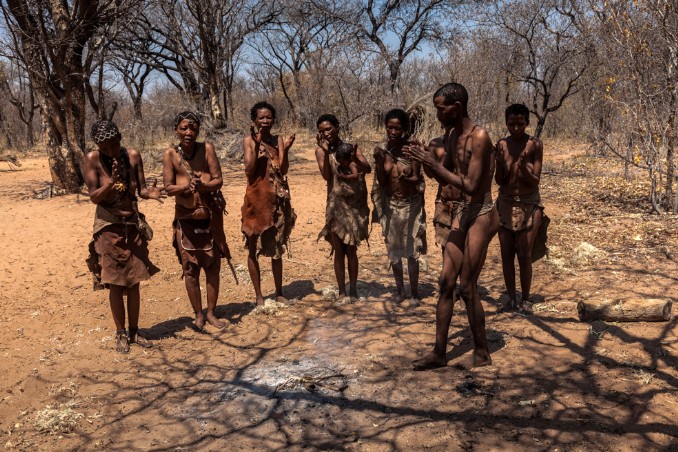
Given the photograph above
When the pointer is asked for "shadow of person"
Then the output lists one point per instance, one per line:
(300, 289)
(167, 329)
(234, 312)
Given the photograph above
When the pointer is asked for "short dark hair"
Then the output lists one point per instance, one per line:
(344, 150)
(329, 118)
(453, 92)
(261, 105)
(190, 115)
(518, 109)
(399, 114)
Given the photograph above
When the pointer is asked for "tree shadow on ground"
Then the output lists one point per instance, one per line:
(249, 386)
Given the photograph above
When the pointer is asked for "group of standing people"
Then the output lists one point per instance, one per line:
(463, 161)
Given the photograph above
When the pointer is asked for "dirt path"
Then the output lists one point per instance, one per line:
(555, 382)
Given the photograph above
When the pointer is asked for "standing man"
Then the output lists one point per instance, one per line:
(192, 174)
(474, 222)
(119, 249)
(519, 159)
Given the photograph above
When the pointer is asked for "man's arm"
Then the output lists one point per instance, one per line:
(143, 191)
(98, 193)
(169, 175)
(252, 150)
(481, 152)
(437, 146)
(502, 174)
(530, 168)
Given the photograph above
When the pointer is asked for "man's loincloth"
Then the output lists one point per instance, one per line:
(465, 214)
(516, 212)
(346, 214)
(403, 226)
(199, 243)
(118, 252)
(442, 220)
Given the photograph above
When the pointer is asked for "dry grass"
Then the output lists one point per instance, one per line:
(58, 419)
(270, 307)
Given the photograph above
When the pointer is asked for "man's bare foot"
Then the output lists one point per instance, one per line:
(353, 294)
(398, 298)
(214, 321)
(135, 338)
(121, 341)
(281, 299)
(481, 359)
(431, 360)
(260, 301)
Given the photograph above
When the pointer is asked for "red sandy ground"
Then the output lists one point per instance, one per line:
(556, 383)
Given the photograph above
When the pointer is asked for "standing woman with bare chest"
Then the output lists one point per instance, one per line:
(192, 174)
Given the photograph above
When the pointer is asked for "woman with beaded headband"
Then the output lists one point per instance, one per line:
(192, 174)
(119, 249)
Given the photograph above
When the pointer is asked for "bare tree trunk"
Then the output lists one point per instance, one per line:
(671, 145)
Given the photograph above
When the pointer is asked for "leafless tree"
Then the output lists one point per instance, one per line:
(542, 49)
(197, 45)
(297, 46)
(640, 85)
(54, 39)
(16, 89)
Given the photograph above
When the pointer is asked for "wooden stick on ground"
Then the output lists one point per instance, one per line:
(632, 310)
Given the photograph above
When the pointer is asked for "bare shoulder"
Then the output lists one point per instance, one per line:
(170, 152)
(537, 143)
(92, 156)
(209, 148)
(481, 134)
(134, 155)
(248, 142)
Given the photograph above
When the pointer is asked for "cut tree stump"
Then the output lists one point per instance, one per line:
(632, 310)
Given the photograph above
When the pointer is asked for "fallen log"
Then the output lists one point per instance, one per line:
(632, 310)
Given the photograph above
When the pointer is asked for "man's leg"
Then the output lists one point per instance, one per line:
(398, 276)
(253, 268)
(453, 255)
(507, 242)
(133, 308)
(212, 280)
(192, 283)
(525, 243)
(115, 298)
(352, 257)
(477, 240)
(413, 273)
(277, 269)
(339, 263)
